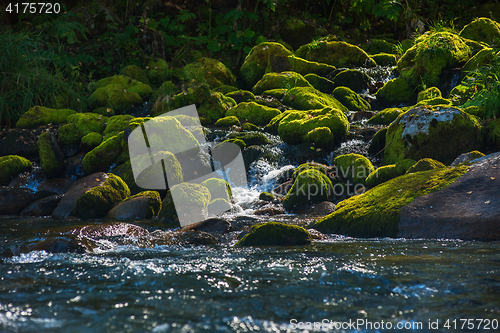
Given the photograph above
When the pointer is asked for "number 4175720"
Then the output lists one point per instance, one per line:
(34, 8)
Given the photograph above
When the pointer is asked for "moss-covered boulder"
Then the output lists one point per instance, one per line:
(321, 137)
(425, 164)
(376, 213)
(432, 54)
(295, 126)
(395, 92)
(428, 93)
(97, 201)
(255, 113)
(216, 107)
(275, 234)
(104, 155)
(241, 96)
(39, 115)
(136, 73)
(282, 63)
(143, 205)
(481, 58)
(482, 29)
(51, 156)
(305, 98)
(353, 167)
(128, 84)
(335, 53)
(353, 79)
(385, 117)
(255, 64)
(385, 59)
(387, 172)
(311, 186)
(86, 123)
(377, 46)
(249, 127)
(104, 111)
(67, 134)
(214, 72)
(11, 166)
(146, 176)
(285, 80)
(194, 94)
(441, 133)
(377, 143)
(117, 124)
(308, 165)
(435, 101)
(266, 196)
(321, 83)
(191, 203)
(350, 99)
(227, 122)
(90, 141)
(115, 97)
(251, 139)
(218, 188)
(158, 71)
(218, 206)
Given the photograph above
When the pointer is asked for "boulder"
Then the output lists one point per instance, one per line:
(214, 72)
(395, 92)
(85, 123)
(116, 124)
(255, 113)
(335, 53)
(211, 225)
(251, 139)
(39, 115)
(227, 122)
(385, 59)
(278, 63)
(351, 100)
(144, 205)
(192, 202)
(218, 188)
(425, 164)
(311, 186)
(466, 157)
(43, 207)
(158, 71)
(284, 80)
(308, 98)
(441, 133)
(275, 234)
(428, 93)
(376, 46)
(321, 83)
(20, 142)
(216, 107)
(321, 137)
(482, 29)
(51, 156)
(353, 79)
(104, 155)
(14, 199)
(90, 141)
(353, 167)
(386, 116)
(115, 97)
(11, 166)
(136, 73)
(241, 96)
(387, 172)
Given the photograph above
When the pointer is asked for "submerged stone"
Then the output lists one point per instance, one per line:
(275, 234)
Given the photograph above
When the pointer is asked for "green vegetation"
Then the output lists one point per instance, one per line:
(275, 233)
(12, 165)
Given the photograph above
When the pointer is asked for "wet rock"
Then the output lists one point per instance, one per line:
(14, 199)
(360, 115)
(275, 234)
(20, 142)
(283, 188)
(316, 235)
(144, 205)
(467, 157)
(59, 245)
(43, 207)
(270, 210)
(211, 225)
(322, 209)
(482, 30)
(310, 186)
(196, 238)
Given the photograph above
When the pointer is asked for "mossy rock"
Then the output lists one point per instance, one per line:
(494, 135)
(216, 107)
(385, 59)
(321, 137)
(395, 92)
(255, 113)
(437, 132)
(461, 93)
(354, 167)
(266, 196)
(12, 166)
(224, 89)
(117, 123)
(104, 111)
(305, 98)
(218, 206)
(146, 173)
(311, 186)
(309, 165)
(158, 71)
(428, 93)
(249, 127)
(227, 122)
(214, 72)
(386, 116)
(276, 93)
(284, 80)
(195, 94)
(67, 134)
(192, 199)
(39, 115)
(481, 58)
(482, 29)
(283, 63)
(240, 143)
(98, 201)
(272, 126)
(251, 139)
(387, 172)
(432, 54)
(350, 99)
(322, 84)
(424, 165)
(86, 123)
(275, 234)
(474, 110)
(353, 79)
(435, 101)
(255, 64)
(153, 204)
(51, 156)
(376, 213)
(294, 127)
(377, 143)
(335, 53)
(103, 156)
(218, 188)
(406, 44)
(167, 90)
(115, 97)
(377, 46)
(241, 96)
(128, 84)
(136, 73)
(296, 33)
(90, 141)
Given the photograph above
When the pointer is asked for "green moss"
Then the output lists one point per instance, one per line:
(377, 143)
(194, 198)
(285, 80)
(103, 156)
(255, 113)
(218, 206)
(251, 139)
(224, 89)
(425, 164)
(473, 110)
(353, 79)
(339, 54)
(310, 186)
(216, 106)
(321, 137)
(91, 140)
(428, 93)
(249, 127)
(482, 29)
(394, 92)
(240, 143)
(241, 96)
(377, 46)
(188, 121)
(158, 71)
(275, 233)
(387, 172)
(136, 73)
(305, 98)
(386, 116)
(322, 84)
(266, 196)
(136, 122)
(219, 188)
(435, 101)
(127, 84)
(11, 166)
(255, 64)
(404, 165)
(309, 165)
(148, 172)
(86, 123)
(350, 99)
(227, 122)
(51, 164)
(461, 94)
(481, 58)
(104, 111)
(303, 66)
(475, 154)
(115, 97)
(39, 115)
(494, 135)
(437, 132)
(214, 72)
(376, 213)
(98, 201)
(154, 202)
(117, 123)
(195, 94)
(297, 124)
(385, 59)
(353, 167)
(67, 134)
(272, 126)
(276, 93)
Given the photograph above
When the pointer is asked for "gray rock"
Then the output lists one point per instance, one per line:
(14, 199)
(43, 207)
(133, 209)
